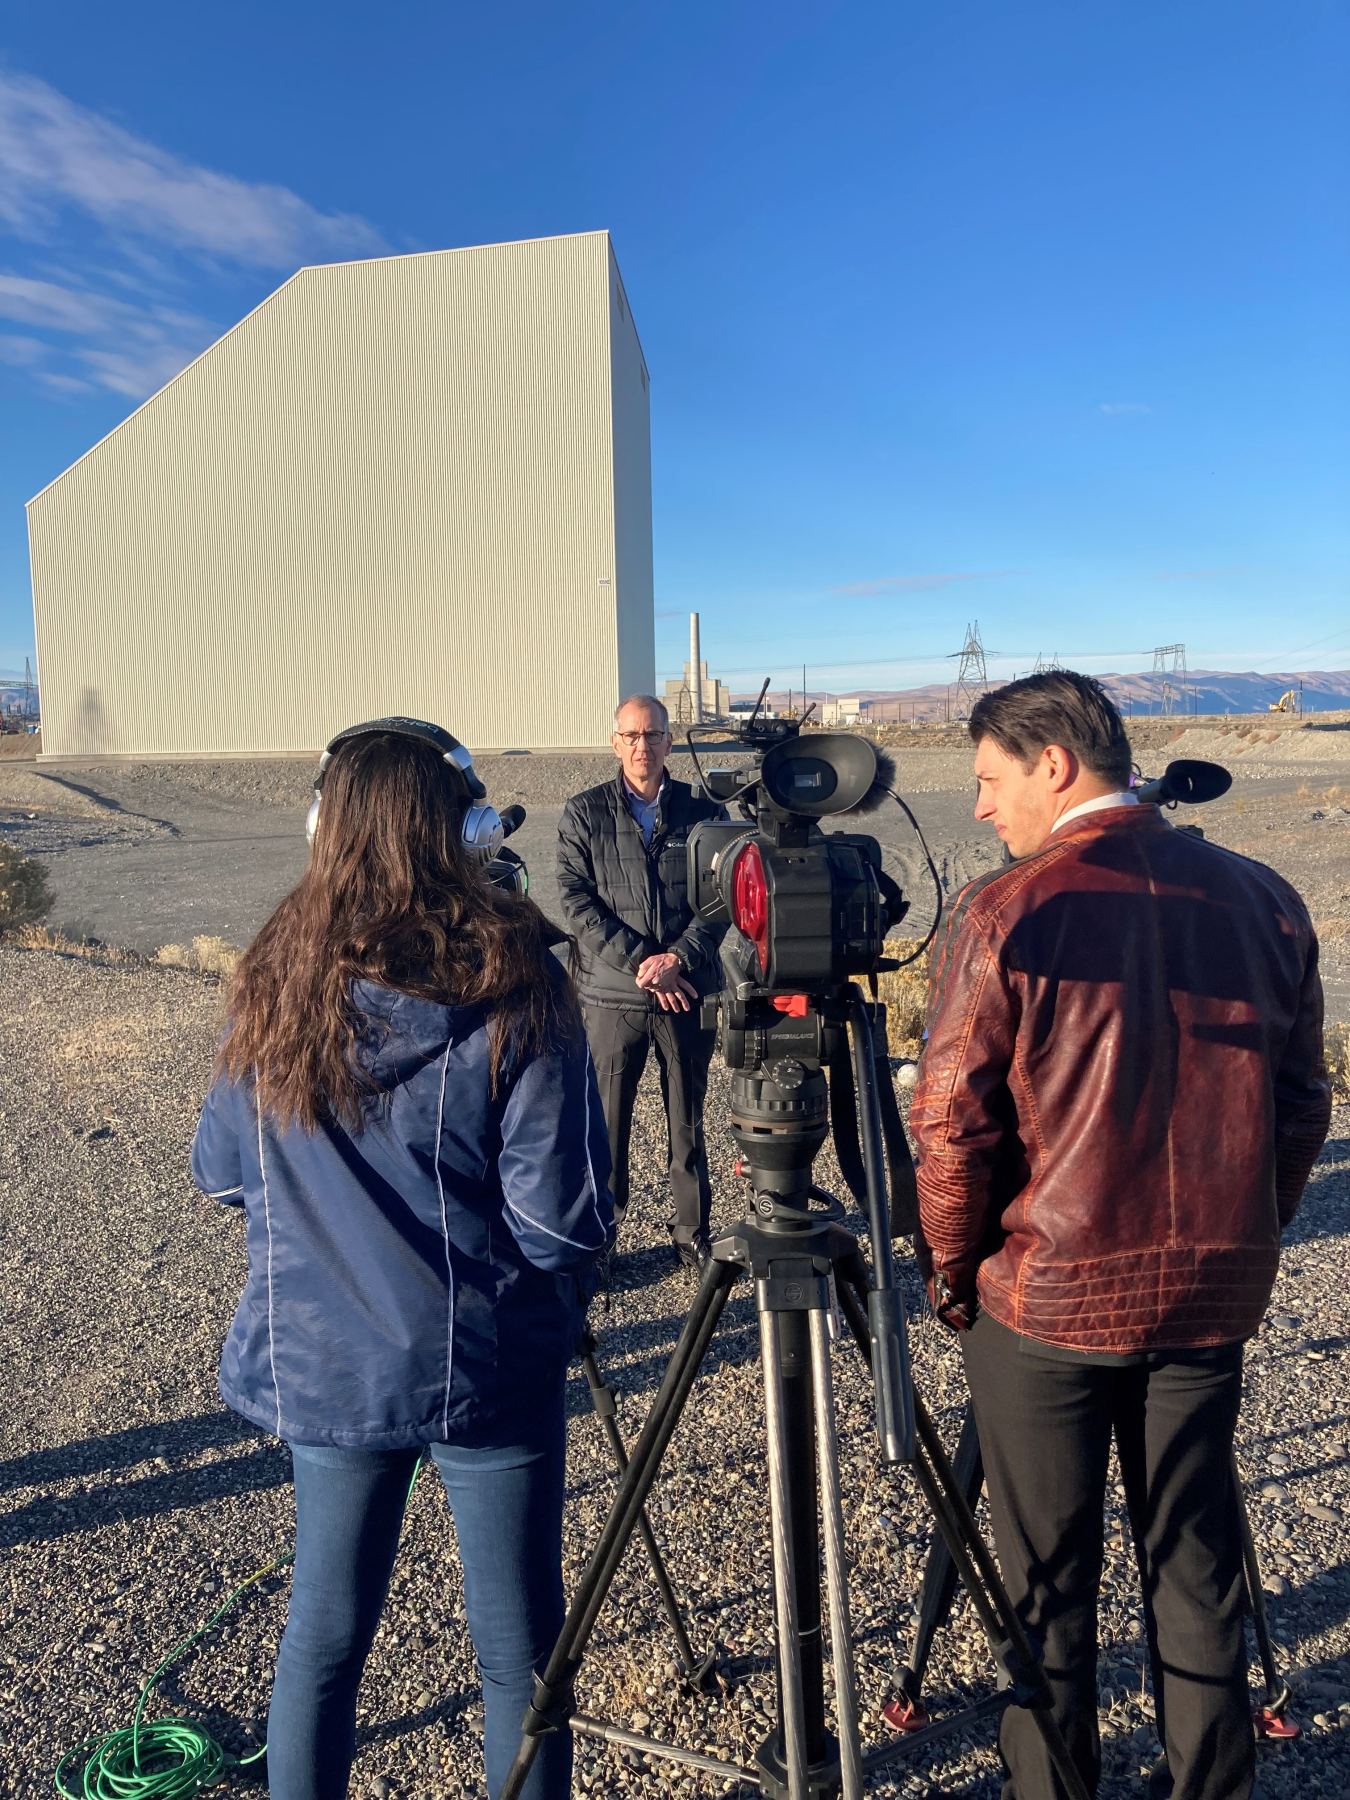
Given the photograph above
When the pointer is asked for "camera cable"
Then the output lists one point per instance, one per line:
(937, 882)
(164, 1759)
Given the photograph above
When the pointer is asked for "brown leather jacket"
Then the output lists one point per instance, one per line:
(1123, 1089)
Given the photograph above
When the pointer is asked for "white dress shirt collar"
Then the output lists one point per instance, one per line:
(1100, 804)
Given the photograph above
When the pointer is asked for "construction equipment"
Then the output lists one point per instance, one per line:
(1286, 702)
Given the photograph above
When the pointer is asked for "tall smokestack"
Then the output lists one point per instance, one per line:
(695, 671)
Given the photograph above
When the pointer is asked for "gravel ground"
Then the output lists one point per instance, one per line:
(146, 854)
(133, 1502)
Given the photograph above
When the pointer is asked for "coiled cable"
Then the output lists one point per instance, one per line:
(164, 1759)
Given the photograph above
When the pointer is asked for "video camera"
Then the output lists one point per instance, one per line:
(808, 910)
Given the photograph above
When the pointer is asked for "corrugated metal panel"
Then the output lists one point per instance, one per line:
(391, 488)
(632, 495)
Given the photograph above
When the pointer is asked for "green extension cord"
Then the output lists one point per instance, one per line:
(168, 1759)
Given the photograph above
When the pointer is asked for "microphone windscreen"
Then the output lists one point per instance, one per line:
(1195, 782)
(883, 784)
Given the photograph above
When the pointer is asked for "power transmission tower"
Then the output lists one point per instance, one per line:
(971, 676)
(1046, 665)
(1169, 662)
(27, 688)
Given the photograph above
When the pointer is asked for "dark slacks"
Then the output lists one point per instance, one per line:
(1045, 1430)
(619, 1039)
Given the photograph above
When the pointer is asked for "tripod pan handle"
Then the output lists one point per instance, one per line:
(890, 1375)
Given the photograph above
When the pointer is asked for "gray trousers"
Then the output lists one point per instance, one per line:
(1045, 1431)
(619, 1039)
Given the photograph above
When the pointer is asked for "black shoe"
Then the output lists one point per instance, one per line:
(694, 1252)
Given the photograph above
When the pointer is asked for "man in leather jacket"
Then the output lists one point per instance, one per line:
(646, 960)
(1121, 1098)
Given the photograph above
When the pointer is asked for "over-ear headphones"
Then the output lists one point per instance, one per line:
(482, 832)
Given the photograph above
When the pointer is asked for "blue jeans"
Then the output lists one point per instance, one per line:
(507, 1504)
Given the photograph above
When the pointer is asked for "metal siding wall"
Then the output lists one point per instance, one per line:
(390, 489)
(632, 496)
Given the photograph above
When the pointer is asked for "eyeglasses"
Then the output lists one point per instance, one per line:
(634, 738)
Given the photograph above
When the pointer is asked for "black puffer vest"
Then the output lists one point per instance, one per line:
(625, 900)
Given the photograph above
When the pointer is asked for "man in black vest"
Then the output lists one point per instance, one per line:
(646, 960)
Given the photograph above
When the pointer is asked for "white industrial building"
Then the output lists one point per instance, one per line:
(416, 484)
(697, 698)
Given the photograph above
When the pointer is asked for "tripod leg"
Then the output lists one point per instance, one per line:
(1271, 1720)
(551, 1706)
(793, 1722)
(836, 1566)
(602, 1398)
(939, 1576)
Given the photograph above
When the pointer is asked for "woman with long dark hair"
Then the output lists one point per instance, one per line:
(404, 1107)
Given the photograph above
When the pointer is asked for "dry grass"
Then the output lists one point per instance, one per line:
(905, 994)
(111, 1048)
(1337, 1050)
(206, 956)
(39, 937)
(1332, 795)
(1332, 931)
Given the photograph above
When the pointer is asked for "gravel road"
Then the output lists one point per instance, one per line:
(133, 1502)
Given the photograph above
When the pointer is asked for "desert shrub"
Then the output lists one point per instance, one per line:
(1337, 1049)
(24, 896)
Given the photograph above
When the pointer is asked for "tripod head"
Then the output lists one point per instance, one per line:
(778, 1048)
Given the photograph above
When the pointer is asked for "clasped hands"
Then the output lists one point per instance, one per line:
(660, 975)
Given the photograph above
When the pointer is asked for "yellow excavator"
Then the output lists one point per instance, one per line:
(1286, 703)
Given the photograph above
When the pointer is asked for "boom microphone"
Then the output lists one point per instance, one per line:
(1188, 781)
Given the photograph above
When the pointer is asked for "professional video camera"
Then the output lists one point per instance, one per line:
(806, 911)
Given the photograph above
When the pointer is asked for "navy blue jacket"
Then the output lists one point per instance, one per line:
(424, 1279)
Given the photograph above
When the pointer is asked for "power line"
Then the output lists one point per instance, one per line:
(972, 676)
(1169, 661)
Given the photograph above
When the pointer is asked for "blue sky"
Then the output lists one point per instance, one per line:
(1030, 314)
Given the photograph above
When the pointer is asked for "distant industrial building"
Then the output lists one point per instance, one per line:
(697, 698)
(416, 484)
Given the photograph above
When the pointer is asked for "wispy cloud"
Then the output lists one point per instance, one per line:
(914, 584)
(55, 154)
(127, 348)
(146, 225)
(1124, 406)
(21, 352)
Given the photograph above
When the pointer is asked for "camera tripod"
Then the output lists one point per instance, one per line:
(938, 1592)
(793, 1246)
